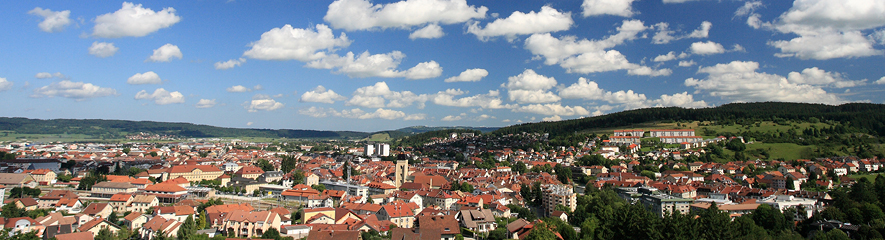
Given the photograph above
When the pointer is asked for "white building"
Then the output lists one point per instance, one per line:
(370, 150)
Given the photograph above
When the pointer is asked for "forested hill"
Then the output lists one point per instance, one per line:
(866, 117)
(116, 129)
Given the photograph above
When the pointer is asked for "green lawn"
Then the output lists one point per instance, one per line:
(871, 177)
(788, 151)
(379, 137)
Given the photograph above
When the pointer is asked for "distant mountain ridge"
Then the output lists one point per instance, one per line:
(117, 129)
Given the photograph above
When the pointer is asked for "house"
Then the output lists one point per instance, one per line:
(141, 203)
(69, 205)
(44, 177)
(159, 224)
(250, 172)
(108, 189)
(120, 201)
(166, 193)
(446, 225)
(97, 224)
(51, 199)
(17, 179)
(24, 225)
(98, 210)
(28, 204)
(400, 213)
(76, 236)
(243, 223)
(56, 223)
(332, 234)
(178, 213)
(194, 173)
(477, 220)
(135, 220)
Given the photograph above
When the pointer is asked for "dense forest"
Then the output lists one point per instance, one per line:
(864, 117)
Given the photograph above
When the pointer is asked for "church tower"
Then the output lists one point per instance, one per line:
(402, 171)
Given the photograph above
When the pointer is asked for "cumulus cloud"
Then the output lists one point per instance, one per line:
(377, 95)
(519, 23)
(102, 49)
(262, 102)
(740, 82)
(828, 28)
(241, 88)
(687, 63)
(321, 95)
(132, 20)
(73, 90)
(664, 35)
(161, 96)
(586, 56)
(363, 15)
(553, 109)
(451, 118)
(553, 118)
(165, 53)
(706, 48)
(149, 77)
(229, 64)
(206, 103)
(360, 114)
(469, 75)
(748, 8)
(429, 32)
(288, 43)
(683, 99)
(43, 75)
(590, 90)
(819, 77)
(376, 65)
(880, 81)
(491, 100)
(52, 21)
(530, 87)
(5, 84)
(621, 8)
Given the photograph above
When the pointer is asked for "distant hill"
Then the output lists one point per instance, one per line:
(118, 129)
(423, 129)
(866, 117)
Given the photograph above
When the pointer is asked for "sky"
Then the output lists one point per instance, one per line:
(371, 65)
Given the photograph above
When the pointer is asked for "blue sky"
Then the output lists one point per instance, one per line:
(378, 65)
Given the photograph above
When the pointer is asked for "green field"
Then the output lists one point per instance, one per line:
(871, 177)
(788, 151)
(379, 137)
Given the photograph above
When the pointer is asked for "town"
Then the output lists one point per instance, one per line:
(464, 185)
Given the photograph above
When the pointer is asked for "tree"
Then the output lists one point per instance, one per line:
(466, 187)
(12, 211)
(319, 187)
(265, 165)
(105, 234)
(188, 228)
(24, 191)
(201, 221)
(113, 218)
(736, 145)
(271, 233)
(541, 232)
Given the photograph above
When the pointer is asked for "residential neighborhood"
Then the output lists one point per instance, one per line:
(472, 186)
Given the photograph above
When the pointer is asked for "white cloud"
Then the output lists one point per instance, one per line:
(880, 81)
(161, 96)
(102, 49)
(132, 20)
(149, 77)
(829, 28)
(608, 7)
(678, 1)
(583, 89)
(530, 87)
(706, 48)
(748, 8)
(518, 23)
(165, 53)
(553, 118)
(553, 109)
(42, 75)
(739, 81)
(376, 65)
(288, 43)
(529, 80)
(687, 63)
(664, 35)
(429, 32)
(587, 56)
(249, 123)
(238, 88)
(450, 118)
(206, 103)
(819, 77)
(484, 117)
(490, 100)
(52, 21)
(321, 95)
(363, 15)
(668, 57)
(827, 46)
(74, 90)
(678, 100)
(229, 64)
(357, 113)
(469, 75)
(376, 95)
(262, 102)
(5, 84)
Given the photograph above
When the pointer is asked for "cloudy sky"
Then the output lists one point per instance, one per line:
(378, 65)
